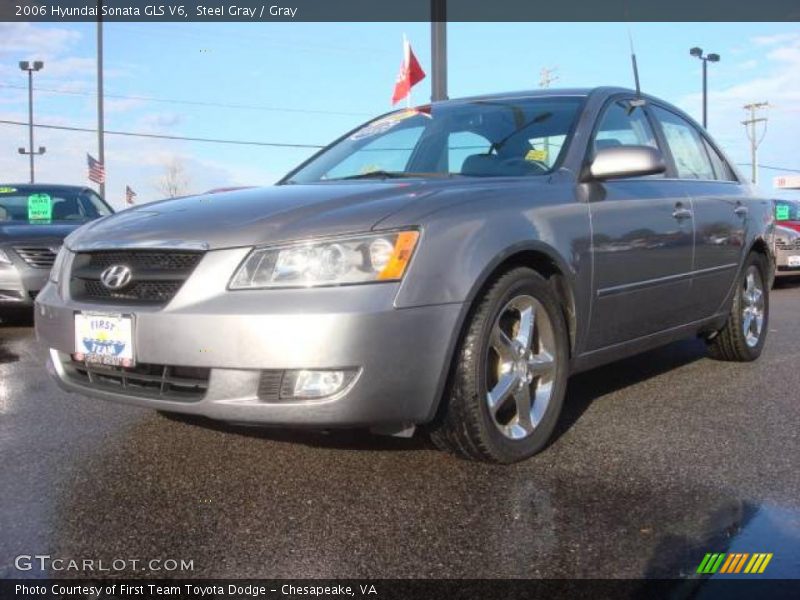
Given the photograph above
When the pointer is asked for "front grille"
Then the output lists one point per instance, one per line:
(163, 382)
(39, 257)
(140, 291)
(788, 245)
(156, 275)
(147, 260)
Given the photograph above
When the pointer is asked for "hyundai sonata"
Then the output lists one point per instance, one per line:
(447, 266)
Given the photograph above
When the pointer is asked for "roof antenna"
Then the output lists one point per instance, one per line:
(638, 101)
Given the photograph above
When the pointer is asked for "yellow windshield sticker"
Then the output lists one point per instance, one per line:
(40, 207)
(537, 155)
(7, 190)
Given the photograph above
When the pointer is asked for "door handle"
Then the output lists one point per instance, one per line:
(740, 210)
(681, 212)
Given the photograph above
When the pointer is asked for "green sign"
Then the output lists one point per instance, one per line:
(40, 207)
(782, 212)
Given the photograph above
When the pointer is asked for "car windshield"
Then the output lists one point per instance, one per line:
(43, 205)
(477, 138)
(786, 210)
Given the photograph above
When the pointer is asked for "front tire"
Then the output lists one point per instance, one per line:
(509, 378)
(742, 339)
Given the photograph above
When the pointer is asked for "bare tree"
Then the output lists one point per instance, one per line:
(174, 180)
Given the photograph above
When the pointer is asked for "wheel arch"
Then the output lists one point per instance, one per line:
(541, 258)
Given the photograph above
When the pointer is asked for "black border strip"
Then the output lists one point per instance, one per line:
(406, 589)
(401, 10)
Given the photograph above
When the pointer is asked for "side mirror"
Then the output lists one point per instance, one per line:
(619, 162)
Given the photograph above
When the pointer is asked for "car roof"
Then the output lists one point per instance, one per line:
(51, 186)
(542, 93)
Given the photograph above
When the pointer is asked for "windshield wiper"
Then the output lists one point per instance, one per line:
(380, 175)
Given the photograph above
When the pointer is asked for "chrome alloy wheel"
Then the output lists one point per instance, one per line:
(752, 307)
(520, 367)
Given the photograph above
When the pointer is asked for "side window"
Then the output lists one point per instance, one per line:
(389, 152)
(721, 168)
(462, 144)
(687, 146)
(621, 126)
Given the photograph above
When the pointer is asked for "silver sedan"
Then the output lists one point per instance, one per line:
(447, 266)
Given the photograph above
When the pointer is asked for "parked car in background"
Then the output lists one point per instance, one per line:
(787, 238)
(448, 266)
(34, 219)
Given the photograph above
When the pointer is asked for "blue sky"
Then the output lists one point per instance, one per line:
(343, 73)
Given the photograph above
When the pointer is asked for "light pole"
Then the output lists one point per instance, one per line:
(30, 68)
(438, 50)
(698, 53)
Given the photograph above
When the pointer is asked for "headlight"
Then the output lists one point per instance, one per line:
(58, 264)
(4, 259)
(353, 259)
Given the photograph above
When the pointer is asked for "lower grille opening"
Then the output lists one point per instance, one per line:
(165, 382)
(269, 385)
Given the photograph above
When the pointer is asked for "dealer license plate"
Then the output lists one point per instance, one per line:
(793, 261)
(105, 339)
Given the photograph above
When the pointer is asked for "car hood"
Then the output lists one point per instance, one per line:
(253, 217)
(14, 232)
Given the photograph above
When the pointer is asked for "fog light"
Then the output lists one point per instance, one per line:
(306, 384)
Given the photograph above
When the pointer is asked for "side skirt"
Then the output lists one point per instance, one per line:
(602, 356)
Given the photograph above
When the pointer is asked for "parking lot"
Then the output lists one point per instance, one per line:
(660, 459)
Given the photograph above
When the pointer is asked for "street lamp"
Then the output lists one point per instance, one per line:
(698, 53)
(30, 67)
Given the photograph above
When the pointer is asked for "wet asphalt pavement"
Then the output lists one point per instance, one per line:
(660, 459)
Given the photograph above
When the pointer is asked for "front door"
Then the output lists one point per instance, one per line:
(642, 238)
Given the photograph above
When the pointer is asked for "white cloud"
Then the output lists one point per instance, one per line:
(778, 38)
(27, 37)
(121, 105)
(160, 121)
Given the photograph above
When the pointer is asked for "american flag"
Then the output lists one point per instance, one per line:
(97, 171)
(129, 194)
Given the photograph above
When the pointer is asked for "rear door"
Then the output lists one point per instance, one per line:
(642, 230)
(720, 210)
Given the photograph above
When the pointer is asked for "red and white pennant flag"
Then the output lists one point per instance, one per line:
(411, 73)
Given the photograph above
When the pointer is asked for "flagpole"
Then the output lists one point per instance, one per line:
(101, 150)
(407, 62)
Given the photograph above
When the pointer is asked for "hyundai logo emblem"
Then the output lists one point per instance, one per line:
(116, 277)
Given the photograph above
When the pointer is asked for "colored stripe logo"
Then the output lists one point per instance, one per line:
(734, 562)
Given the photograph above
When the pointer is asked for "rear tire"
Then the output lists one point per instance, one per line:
(742, 339)
(508, 382)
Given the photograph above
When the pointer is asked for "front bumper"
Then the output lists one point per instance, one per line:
(19, 284)
(782, 268)
(402, 354)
